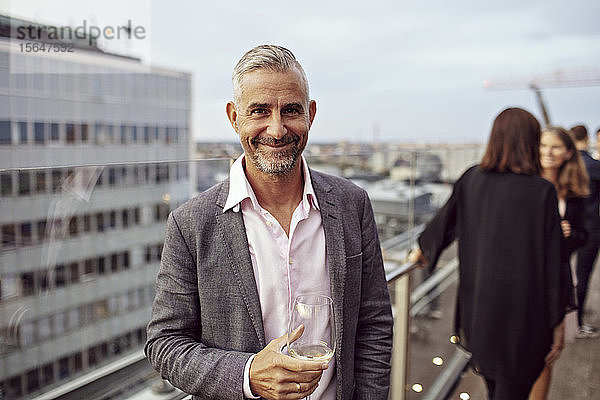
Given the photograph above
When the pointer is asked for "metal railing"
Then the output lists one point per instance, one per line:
(106, 381)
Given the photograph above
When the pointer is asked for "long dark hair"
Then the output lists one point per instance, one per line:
(514, 144)
(573, 180)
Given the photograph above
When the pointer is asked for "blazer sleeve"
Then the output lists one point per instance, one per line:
(374, 336)
(557, 271)
(440, 232)
(576, 216)
(173, 346)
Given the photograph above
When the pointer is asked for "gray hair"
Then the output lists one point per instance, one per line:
(267, 56)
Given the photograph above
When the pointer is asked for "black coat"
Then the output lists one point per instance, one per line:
(592, 202)
(575, 214)
(513, 287)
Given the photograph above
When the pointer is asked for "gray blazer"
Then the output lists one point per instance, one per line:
(206, 317)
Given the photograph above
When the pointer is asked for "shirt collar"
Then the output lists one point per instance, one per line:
(240, 189)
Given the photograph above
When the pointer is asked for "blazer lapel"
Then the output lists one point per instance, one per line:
(233, 234)
(336, 252)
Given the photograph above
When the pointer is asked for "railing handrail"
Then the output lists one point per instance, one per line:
(400, 242)
(102, 372)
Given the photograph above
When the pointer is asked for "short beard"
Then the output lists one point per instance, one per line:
(276, 162)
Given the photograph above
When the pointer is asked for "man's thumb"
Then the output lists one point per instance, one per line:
(295, 334)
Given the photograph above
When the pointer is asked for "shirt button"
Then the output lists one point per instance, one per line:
(269, 223)
(291, 260)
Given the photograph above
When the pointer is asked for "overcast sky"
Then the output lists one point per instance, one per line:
(397, 70)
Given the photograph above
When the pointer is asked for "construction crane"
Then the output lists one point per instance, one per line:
(558, 79)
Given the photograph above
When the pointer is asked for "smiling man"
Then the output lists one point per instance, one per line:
(237, 255)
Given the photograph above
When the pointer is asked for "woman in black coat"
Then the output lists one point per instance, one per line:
(512, 292)
(563, 167)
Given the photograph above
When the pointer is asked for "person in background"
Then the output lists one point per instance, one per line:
(563, 167)
(237, 255)
(512, 290)
(597, 146)
(586, 255)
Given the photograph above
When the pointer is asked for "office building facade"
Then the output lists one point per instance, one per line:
(93, 150)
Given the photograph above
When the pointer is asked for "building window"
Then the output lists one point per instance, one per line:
(26, 236)
(70, 133)
(148, 254)
(125, 218)
(39, 134)
(63, 368)
(74, 269)
(90, 267)
(112, 219)
(100, 222)
(114, 263)
(40, 182)
(123, 134)
(134, 134)
(6, 182)
(54, 135)
(5, 136)
(33, 382)
(23, 132)
(87, 223)
(84, 132)
(27, 284)
(146, 134)
(24, 183)
(77, 362)
(47, 374)
(56, 180)
(124, 176)
(74, 226)
(60, 275)
(101, 266)
(8, 236)
(43, 281)
(111, 176)
(145, 173)
(13, 387)
(41, 230)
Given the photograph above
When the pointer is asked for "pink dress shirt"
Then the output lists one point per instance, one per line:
(284, 266)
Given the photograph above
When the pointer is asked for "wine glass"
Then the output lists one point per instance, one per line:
(317, 342)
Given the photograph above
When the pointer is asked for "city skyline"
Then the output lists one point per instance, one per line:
(381, 71)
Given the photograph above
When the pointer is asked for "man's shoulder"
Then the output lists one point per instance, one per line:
(592, 165)
(204, 201)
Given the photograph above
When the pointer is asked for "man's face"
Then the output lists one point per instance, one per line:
(273, 118)
(598, 142)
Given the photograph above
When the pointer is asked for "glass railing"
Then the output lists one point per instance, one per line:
(81, 244)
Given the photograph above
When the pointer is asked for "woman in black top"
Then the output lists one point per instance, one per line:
(563, 167)
(512, 292)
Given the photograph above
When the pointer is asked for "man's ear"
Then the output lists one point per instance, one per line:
(232, 115)
(312, 111)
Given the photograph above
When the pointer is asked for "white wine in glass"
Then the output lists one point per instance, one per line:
(315, 313)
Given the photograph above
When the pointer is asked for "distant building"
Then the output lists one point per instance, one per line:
(80, 246)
